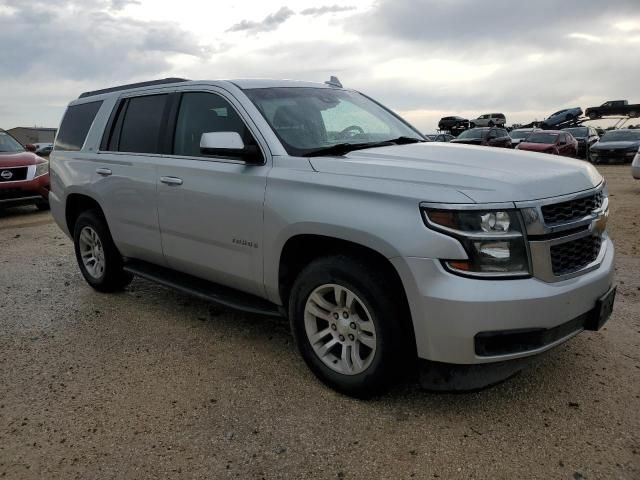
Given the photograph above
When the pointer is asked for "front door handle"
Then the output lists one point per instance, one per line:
(171, 180)
(105, 172)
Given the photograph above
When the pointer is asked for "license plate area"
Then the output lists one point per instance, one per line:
(603, 310)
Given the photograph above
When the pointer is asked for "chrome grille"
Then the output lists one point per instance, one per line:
(573, 256)
(12, 174)
(571, 210)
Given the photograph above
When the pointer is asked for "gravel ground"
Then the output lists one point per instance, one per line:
(150, 383)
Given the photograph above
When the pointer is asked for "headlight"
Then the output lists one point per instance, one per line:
(493, 240)
(42, 169)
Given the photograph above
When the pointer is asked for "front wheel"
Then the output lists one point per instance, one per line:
(593, 115)
(98, 258)
(348, 326)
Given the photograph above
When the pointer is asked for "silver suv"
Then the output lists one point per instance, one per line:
(390, 255)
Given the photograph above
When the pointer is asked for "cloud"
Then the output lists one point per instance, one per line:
(270, 22)
(86, 41)
(316, 11)
(473, 25)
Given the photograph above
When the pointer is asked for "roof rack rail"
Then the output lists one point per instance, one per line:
(132, 85)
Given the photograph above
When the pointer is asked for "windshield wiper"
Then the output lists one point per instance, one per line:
(342, 148)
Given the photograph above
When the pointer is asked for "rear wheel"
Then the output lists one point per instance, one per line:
(348, 326)
(98, 258)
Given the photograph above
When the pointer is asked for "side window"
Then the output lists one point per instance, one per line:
(200, 113)
(141, 120)
(75, 126)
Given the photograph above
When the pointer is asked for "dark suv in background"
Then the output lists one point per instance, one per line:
(486, 136)
(586, 137)
(453, 122)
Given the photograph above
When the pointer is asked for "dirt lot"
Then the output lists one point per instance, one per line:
(147, 384)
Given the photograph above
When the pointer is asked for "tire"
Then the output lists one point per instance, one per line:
(378, 350)
(43, 205)
(593, 115)
(472, 125)
(633, 114)
(105, 273)
(491, 124)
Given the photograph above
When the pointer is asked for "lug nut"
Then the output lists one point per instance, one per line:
(351, 337)
(336, 316)
(333, 326)
(353, 325)
(341, 337)
(345, 314)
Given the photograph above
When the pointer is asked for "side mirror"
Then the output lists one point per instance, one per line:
(229, 144)
(30, 148)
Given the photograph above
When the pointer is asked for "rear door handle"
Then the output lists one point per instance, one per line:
(105, 172)
(171, 180)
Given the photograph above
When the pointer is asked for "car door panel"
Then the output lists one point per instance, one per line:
(126, 168)
(212, 223)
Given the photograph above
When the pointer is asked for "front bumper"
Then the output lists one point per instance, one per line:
(448, 311)
(24, 192)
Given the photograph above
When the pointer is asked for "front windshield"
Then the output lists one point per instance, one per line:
(8, 144)
(520, 133)
(307, 119)
(578, 131)
(541, 137)
(621, 136)
(472, 134)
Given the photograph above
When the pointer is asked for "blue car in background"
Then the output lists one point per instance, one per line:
(562, 116)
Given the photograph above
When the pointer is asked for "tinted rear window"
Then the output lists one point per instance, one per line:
(141, 124)
(75, 126)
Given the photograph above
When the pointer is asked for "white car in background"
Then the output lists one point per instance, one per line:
(489, 120)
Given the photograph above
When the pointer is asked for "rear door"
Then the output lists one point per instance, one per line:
(126, 175)
(211, 207)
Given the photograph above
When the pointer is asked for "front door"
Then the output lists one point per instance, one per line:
(211, 208)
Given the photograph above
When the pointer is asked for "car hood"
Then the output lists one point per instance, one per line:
(21, 159)
(535, 147)
(615, 145)
(481, 174)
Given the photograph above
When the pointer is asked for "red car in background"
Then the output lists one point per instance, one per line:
(555, 142)
(24, 176)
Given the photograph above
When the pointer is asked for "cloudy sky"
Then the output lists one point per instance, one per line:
(422, 58)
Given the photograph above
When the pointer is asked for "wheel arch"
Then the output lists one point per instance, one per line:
(76, 203)
(301, 249)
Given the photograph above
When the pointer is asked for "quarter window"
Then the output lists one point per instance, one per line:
(200, 113)
(75, 126)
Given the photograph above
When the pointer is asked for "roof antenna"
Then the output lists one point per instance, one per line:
(334, 82)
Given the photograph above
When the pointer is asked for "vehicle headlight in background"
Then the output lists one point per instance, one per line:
(493, 240)
(42, 169)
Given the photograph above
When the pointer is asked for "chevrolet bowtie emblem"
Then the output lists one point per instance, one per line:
(600, 223)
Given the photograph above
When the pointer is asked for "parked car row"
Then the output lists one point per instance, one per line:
(566, 117)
